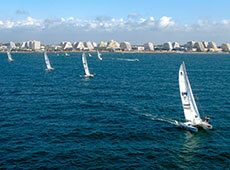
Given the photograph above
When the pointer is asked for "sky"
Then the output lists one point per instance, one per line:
(136, 21)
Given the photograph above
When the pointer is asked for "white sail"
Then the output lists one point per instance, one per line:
(89, 55)
(85, 64)
(9, 56)
(47, 62)
(189, 105)
(99, 55)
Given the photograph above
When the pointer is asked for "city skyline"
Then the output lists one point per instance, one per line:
(134, 21)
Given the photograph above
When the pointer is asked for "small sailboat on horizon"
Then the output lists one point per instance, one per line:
(99, 55)
(48, 65)
(191, 112)
(85, 65)
(10, 59)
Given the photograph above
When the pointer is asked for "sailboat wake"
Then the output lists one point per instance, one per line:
(126, 59)
(154, 118)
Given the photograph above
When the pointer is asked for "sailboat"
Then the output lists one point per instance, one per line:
(89, 55)
(9, 56)
(85, 65)
(191, 112)
(99, 55)
(49, 68)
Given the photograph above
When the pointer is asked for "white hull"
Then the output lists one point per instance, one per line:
(91, 75)
(187, 126)
(49, 69)
(193, 127)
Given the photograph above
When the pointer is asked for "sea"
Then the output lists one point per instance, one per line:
(122, 118)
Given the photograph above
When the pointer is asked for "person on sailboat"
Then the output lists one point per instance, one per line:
(206, 119)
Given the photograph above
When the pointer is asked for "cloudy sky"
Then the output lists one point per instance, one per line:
(137, 21)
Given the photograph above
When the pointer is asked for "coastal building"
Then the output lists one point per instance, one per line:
(88, 45)
(205, 44)
(78, 45)
(190, 45)
(199, 47)
(11, 45)
(94, 44)
(225, 47)
(23, 45)
(167, 46)
(66, 45)
(175, 45)
(149, 46)
(28, 44)
(102, 44)
(56, 47)
(212, 46)
(35, 45)
(138, 48)
(112, 44)
(126, 46)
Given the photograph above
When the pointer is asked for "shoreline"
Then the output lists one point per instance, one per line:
(131, 52)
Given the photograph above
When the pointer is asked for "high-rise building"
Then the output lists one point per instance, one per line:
(175, 45)
(212, 46)
(112, 44)
(11, 45)
(79, 45)
(167, 46)
(126, 46)
(88, 45)
(149, 46)
(35, 45)
(102, 44)
(199, 47)
(66, 45)
(226, 47)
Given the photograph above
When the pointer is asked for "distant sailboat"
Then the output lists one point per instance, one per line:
(66, 54)
(85, 65)
(99, 55)
(10, 59)
(89, 55)
(49, 68)
(191, 112)
(127, 59)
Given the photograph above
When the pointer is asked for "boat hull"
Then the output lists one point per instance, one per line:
(187, 127)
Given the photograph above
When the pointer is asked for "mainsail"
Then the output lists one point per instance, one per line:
(85, 64)
(47, 62)
(189, 105)
(99, 55)
(9, 56)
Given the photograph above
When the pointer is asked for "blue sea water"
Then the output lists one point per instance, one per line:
(121, 118)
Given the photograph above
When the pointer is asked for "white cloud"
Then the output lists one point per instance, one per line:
(165, 22)
(225, 21)
(104, 23)
(131, 25)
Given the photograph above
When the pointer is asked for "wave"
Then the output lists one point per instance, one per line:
(126, 59)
